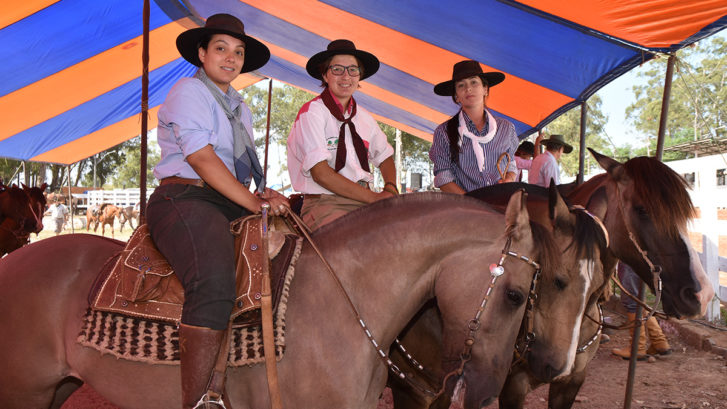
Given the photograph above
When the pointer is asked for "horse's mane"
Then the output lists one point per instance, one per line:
(662, 192)
(413, 199)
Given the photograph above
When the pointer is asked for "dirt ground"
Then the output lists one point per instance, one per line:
(689, 378)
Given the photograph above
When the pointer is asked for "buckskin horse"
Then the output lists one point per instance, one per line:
(425, 246)
(645, 207)
(549, 338)
(18, 217)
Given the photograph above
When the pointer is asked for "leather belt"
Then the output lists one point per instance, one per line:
(361, 183)
(182, 181)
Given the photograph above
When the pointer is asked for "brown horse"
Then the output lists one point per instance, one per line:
(128, 214)
(648, 200)
(18, 218)
(548, 338)
(105, 215)
(429, 245)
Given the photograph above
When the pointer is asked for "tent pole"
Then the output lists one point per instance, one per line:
(665, 106)
(70, 198)
(144, 114)
(582, 145)
(267, 131)
(642, 293)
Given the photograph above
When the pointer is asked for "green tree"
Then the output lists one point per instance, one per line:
(127, 174)
(285, 104)
(697, 100)
(569, 125)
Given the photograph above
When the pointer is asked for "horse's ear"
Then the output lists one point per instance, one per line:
(24, 187)
(613, 167)
(43, 187)
(516, 214)
(557, 208)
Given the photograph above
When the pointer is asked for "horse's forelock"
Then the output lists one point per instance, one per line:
(588, 236)
(663, 194)
(547, 253)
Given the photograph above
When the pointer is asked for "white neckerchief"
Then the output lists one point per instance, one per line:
(476, 140)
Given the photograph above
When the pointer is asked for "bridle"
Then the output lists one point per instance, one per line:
(473, 325)
(654, 269)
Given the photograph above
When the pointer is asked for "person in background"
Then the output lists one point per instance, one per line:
(208, 160)
(333, 139)
(59, 213)
(467, 148)
(659, 344)
(545, 166)
(524, 156)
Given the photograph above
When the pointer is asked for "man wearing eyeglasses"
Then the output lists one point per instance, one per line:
(333, 139)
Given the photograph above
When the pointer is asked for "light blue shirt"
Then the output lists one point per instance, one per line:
(191, 119)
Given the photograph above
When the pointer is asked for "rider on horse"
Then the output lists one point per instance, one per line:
(208, 160)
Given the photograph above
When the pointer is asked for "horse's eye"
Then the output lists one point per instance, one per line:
(560, 284)
(515, 297)
(641, 211)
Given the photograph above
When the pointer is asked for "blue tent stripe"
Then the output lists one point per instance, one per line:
(73, 31)
(98, 113)
(558, 57)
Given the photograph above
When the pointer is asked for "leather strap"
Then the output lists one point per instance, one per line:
(271, 365)
(182, 181)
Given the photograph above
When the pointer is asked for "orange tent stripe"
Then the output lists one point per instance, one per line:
(86, 80)
(14, 10)
(370, 89)
(115, 134)
(653, 23)
(410, 54)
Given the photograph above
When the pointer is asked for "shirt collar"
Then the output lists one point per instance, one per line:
(338, 103)
(471, 125)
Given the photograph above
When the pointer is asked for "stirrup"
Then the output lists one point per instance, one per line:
(210, 398)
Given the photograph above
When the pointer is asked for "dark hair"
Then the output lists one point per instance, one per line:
(526, 147)
(204, 42)
(323, 67)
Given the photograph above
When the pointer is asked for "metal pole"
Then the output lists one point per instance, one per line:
(398, 160)
(582, 145)
(144, 113)
(70, 198)
(267, 131)
(665, 106)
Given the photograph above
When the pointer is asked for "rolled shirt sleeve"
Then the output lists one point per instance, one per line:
(440, 157)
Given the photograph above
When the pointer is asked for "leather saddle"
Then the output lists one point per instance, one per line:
(139, 281)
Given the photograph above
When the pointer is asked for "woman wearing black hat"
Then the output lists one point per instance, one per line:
(207, 162)
(333, 139)
(467, 148)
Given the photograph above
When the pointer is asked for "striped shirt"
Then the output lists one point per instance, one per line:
(466, 173)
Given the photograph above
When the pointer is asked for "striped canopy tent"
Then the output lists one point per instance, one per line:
(71, 77)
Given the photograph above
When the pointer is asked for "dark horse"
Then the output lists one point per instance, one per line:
(427, 246)
(549, 336)
(21, 213)
(649, 200)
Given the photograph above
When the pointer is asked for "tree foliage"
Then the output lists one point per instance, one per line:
(569, 125)
(697, 100)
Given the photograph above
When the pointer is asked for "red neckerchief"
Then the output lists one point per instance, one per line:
(358, 144)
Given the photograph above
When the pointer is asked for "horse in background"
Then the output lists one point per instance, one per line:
(128, 214)
(18, 218)
(432, 247)
(92, 216)
(106, 215)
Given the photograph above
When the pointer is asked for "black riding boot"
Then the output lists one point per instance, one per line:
(198, 348)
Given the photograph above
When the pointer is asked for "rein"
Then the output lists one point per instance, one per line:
(595, 336)
(654, 269)
(496, 270)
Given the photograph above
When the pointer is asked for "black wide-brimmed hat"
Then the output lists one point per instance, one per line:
(465, 69)
(346, 47)
(188, 43)
(558, 140)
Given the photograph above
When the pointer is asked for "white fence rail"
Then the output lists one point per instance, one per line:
(117, 197)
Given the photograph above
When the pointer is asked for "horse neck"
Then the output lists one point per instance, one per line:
(582, 193)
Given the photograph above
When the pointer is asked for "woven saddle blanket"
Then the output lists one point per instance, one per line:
(139, 282)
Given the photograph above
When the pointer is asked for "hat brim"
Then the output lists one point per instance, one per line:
(369, 61)
(446, 88)
(567, 148)
(257, 54)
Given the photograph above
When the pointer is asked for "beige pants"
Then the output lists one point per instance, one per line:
(323, 209)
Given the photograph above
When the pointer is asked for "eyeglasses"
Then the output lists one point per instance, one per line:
(353, 70)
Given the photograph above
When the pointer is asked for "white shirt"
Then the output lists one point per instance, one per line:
(58, 211)
(544, 167)
(314, 138)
